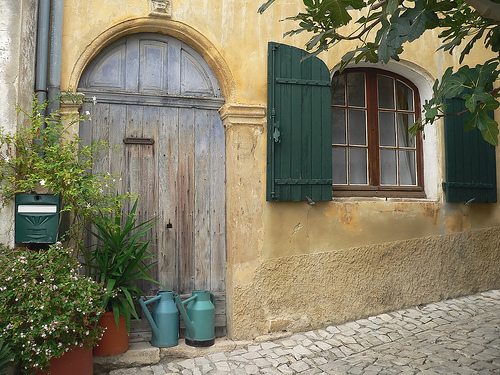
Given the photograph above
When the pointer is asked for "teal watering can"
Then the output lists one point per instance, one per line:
(164, 321)
(199, 317)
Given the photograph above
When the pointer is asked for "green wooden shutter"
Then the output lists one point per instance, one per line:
(470, 161)
(299, 141)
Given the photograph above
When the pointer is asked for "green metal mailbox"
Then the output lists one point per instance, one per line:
(37, 218)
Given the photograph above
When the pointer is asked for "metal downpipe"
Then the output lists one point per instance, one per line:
(42, 51)
(54, 85)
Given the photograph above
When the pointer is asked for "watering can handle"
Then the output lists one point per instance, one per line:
(186, 301)
(151, 300)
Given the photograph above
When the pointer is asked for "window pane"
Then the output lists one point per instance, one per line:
(407, 168)
(385, 92)
(338, 126)
(357, 127)
(388, 172)
(404, 123)
(356, 89)
(339, 156)
(387, 128)
(338, 90)
(404, 96)
(358, 166)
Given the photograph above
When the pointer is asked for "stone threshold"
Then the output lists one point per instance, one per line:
(142, 354)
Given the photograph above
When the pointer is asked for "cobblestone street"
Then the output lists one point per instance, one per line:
(457, 336)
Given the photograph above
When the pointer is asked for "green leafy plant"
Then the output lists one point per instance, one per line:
(6, 356)
(118, 259)
(43, 156)
(46, 306)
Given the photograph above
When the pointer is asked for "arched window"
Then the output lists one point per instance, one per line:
(372, 150)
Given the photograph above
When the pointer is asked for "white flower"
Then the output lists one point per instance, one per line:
(7, 159)
(94, 100)
(42, 182)
(87, 113)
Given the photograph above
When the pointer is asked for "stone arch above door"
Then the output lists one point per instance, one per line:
(178, 30)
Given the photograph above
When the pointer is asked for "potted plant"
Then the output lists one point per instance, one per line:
(6, 356)
(118, 259)
(46, 308)
(42, 156)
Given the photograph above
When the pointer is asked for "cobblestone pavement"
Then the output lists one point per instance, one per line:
(457, 336)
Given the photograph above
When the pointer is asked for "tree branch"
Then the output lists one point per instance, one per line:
(486, 8)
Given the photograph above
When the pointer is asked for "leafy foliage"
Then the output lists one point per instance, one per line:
(43, 156)
(119, 259)
(382, 29)
(45, 305)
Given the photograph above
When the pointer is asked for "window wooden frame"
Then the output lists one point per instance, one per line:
(374, 188)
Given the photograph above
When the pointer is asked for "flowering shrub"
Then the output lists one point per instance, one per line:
(45, 305)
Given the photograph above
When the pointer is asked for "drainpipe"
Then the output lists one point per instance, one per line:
(42, 51)
(54, 86)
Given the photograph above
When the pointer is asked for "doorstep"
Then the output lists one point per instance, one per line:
(144, 354)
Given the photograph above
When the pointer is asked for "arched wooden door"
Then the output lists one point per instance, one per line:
(158, 101)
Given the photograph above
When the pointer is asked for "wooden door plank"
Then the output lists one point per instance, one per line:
(133, 158)
(168, 191)
(148, 188)
(186, 200)
(202, 250)
(100, 130)
(117, 125)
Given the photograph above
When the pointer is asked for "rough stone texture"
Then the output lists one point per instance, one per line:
(329, 288)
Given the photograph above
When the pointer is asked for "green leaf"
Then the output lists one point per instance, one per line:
(431, 113)
(264, 6)
(391, 6)
(487, 126)
(421, 20)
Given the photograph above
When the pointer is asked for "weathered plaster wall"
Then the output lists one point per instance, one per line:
(17, 57)
(301, 292)
(290, 265)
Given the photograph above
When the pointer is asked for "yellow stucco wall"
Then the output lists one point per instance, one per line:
(291, 265)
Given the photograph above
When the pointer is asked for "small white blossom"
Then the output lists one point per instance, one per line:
(94, 100)
(42, 182)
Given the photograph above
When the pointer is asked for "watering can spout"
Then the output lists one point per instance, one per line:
(180, 305)
(151, 321)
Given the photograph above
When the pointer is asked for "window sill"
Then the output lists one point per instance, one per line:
(378, 192)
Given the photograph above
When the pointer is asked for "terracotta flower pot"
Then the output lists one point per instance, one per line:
(78, 361)
(114, 340)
